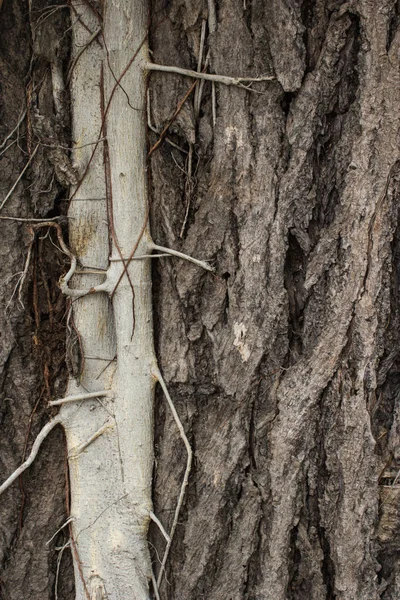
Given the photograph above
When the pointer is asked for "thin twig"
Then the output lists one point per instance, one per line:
(188, 189)
(59, 529)
(78, 397)
(21, 482)
(155, 130)
(106, 112)
(72, 148)
(20, 176)
(160, 526)
(25, 271)
(141, 257)
(109, 193)
(199, 89)
(199, 263)
(16, 287)
(172, 119)
(135, 247)
(155, 586)
(159, 378)
(35, 449)
(20, 120)
(28, 220)
(59, 558)
(115, 78)
(63, 283)
(214, 104)
(8, 147)
(225, 79)
(77, 450)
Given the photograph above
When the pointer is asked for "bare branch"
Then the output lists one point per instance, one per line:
(159, 377)
(225, 79)
(78, 397)
(25, 271)
(59, 558)
(20, 120)
(28, 220)
(35, 449)
(60, 529)
(75, 452)
(199, 263)
(155, 586)
(20, 176)
(160, 526)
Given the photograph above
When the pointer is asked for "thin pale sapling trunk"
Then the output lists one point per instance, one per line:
(111, 476)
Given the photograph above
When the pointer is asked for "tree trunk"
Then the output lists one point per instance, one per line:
(110, 439)
(282, 366)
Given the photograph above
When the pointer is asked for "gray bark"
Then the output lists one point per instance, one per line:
(283, 367)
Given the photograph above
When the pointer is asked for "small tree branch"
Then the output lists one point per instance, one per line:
(225, 79)
(69, 520)
(155, 586)
(199, 89)
(199, 263)
(28, 220)
(20, 120)
(72, 293)
(59, 557)
(160, 526)
(75, 452)
(19, 177)
(35, 449)
(25, 271)
(78, 397)
(159, 378)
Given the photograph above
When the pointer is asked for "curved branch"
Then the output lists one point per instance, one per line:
(160, 526)
(199, 263)
(157, 374)
(35, 449)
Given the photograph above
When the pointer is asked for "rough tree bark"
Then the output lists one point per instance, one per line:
(284, 366)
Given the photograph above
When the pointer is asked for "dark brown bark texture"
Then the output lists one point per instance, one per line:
(32, 316)
(283, 366)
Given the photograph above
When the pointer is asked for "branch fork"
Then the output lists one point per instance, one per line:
(113, 275)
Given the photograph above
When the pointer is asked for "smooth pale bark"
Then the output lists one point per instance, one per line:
(111, 477)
